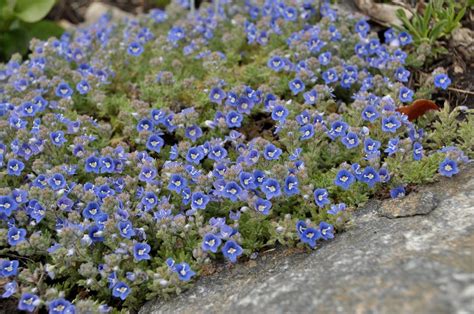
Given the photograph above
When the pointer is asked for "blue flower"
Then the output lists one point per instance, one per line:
(370, 113)
(155, 143)
(96, 233)
(244, 105)
(8, 268)
(370, 176)
(135, 49)
(234, 119)
(392, 146)
(271, 188)
(271, 152)
(296, 86)
(232, 250)
(61, 306)
(405, 38)
(263, 206)
(390, 124)
(291, 185)
(327, 230)
(276, 63)
(442, 81)
(217, 153)
(371, 147)
(199, 200)
(15, 167)
(417, 151)
(193, 132)
(247, 180)
(141, 251)
(216, 95)
(63, 90)
(83, 87)
(338, 128)
(279, 113)
(210, 243)
(57, 181)
(28, 302)
(448, 167)
(330, 76)
(350, 140)
(195, 155)
(336, 208)
(10, 289)
(147, 174)
(184, 271)
(92, 164)
(402, 74)
(57, 138)
(232, 191)
(310, 236)
(121, 290)
(397, 192)
(177, 183)
(145, 125)
(7, 205)
(307, 132)
(344, 179)
(126, 229)
(321, 197)
(16, 235)
(28, 109)
(325, 58)
(107, 165)
(149, 200)
(406, 94)
(362, 28)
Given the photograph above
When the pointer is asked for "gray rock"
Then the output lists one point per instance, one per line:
(418, 264)
(418, 203)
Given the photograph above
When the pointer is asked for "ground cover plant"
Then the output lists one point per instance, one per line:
(134, 154)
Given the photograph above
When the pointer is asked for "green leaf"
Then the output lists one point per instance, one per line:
(32, 10)
(12, 42)
(43, 30)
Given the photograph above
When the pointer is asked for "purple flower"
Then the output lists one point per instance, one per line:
(417, 151)
(7, 205)
(448, 167)
(336, 208)
(10, 289)
(15, 167)
(147, 174)
(370, 113)
(280, 113)
(405, 38)
(232, 250)
(57, 138)
(83, 87)
(195, 155)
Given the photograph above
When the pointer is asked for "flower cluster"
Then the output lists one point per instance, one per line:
(125, 147)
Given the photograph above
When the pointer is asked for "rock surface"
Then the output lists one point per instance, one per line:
(423, 263)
